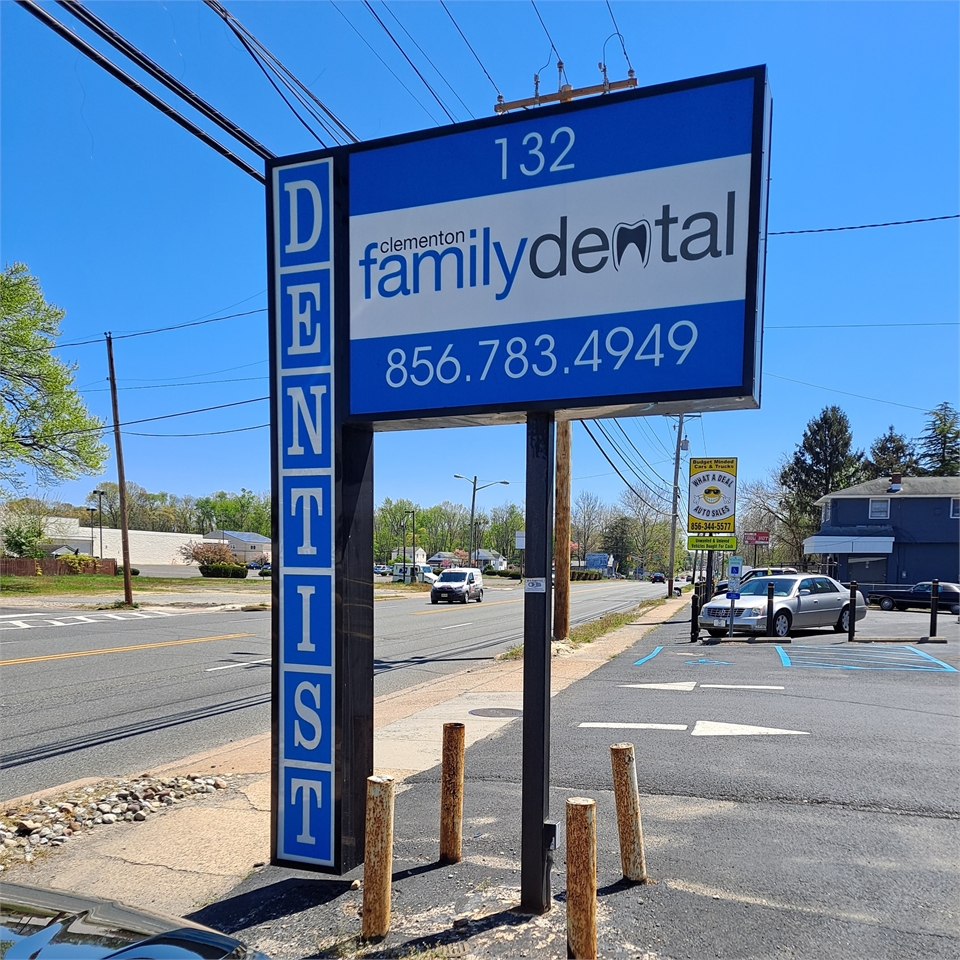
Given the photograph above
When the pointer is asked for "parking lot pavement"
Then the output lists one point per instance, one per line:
(906, 624)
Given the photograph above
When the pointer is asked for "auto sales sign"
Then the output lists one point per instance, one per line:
(712, 495)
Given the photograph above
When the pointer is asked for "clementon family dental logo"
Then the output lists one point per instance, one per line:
(425, 262)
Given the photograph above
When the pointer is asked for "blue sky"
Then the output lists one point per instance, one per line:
(132, 224)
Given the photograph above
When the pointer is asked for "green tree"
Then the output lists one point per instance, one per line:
(891, 453)
(939, 444)
(44, 424)
(823, 461)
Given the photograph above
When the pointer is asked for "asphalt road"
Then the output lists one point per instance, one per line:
(104, 693)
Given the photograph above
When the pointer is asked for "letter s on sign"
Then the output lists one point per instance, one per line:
(295, 245)
(308, 714)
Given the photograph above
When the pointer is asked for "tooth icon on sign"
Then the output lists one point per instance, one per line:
(626, 235)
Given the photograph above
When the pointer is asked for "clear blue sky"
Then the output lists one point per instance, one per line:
(131, 224)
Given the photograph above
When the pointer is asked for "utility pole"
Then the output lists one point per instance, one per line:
(561, 535)
(673, 514)
(121, 481)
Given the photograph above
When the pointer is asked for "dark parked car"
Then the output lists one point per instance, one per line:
(657, 578)
(893, 597)
(47, 924)
(266, 570)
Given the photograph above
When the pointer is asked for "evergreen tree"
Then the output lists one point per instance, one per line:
(891, 453)
(939, 444)
(823, 461)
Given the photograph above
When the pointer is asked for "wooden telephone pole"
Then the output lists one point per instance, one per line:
(561, 536)
(121, 481)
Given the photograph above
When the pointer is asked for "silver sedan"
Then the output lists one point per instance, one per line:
(800, 601)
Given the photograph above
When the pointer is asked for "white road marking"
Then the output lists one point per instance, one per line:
(22, 624)
(114, 616)
(79, 619)
(452, 625)
(19, 616)
(710, 728)
(230, 666)
(685, 685)
(636, 726)
(56, 623)
(737, 686)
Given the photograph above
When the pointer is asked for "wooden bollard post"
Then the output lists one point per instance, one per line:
(451, 793)
(632, 859)
(378, 858)
(581, 878)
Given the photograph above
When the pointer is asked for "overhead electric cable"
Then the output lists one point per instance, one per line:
(859, 326)
(384, 62)
(639, 454)
(289, 79)
(630, 464)
(863, 226)
(470, 48)
(209, 433)
(427, 58)
(619, 35)
(34, 8)
(846, 393)
(165, 416)
(103, 30)
(413, 66)
(553, 46)
(168, 386)
(617, 471)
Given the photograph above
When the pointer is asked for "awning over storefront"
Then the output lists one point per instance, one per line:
(848, 545)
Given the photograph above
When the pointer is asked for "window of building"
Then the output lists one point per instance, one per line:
(825, 513)
(879, 510)
(955, 507)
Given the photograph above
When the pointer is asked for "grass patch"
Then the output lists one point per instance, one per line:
(254, 607)
(588, 632)
(94, 583)
(117, 605)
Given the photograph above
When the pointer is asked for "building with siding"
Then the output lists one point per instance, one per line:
(898, 530)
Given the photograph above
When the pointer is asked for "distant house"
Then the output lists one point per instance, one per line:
(443, 559)
(245, 546)
(490, 558)
(896, 530)
(407, 556)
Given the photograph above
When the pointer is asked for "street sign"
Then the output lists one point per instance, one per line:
(734, 572)
(598, 256)
(756, 537)
(519, 540)
(711, 543)
(712, 498)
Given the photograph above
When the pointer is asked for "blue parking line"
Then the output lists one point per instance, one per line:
(649, 656)
(890, 658)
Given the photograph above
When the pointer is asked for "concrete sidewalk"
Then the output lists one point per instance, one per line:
(196, 853)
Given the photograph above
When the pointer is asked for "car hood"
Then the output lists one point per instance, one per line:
(44, 924)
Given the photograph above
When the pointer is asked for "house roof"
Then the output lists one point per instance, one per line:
(244, 537)
(909, 487)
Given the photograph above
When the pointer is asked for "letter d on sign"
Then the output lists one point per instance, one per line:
(295, 245)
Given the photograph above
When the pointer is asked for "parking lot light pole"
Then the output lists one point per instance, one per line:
(473, 504)
(99, 495)
(92, 510)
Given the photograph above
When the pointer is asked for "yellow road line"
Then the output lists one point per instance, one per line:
(137, 646)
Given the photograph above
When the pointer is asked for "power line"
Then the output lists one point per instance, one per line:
(165, 416)
(78, 10)
(427, 58)
(285, 75)
(413, 66)
(463, 36)
(639, 454)
(846, 393)
(37, 11)
(169, 386)
(864, 226)
(553, 46)
(629, 462)
(617, 471)
(384, 62)
(210, 433)
(619, 36)
(861, 326)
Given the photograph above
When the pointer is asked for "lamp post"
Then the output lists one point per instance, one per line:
(413, 524)
(473, 503)
(92, 510)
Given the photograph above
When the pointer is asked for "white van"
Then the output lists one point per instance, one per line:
(405, 572)
(460, 583)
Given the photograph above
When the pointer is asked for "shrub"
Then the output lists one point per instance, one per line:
(134, 572)
(226, 571)
(207, 553)
(76, 562)
(265, 572)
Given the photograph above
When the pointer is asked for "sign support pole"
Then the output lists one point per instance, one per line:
(537, 836)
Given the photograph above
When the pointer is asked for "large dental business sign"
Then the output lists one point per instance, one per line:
(602, 257)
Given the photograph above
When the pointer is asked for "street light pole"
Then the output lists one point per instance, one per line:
(92, 511)
(473, 503)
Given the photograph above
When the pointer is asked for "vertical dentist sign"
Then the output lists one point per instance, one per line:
(602, 257)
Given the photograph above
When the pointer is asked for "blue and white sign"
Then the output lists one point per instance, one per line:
(303, 396)
(603, 252)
